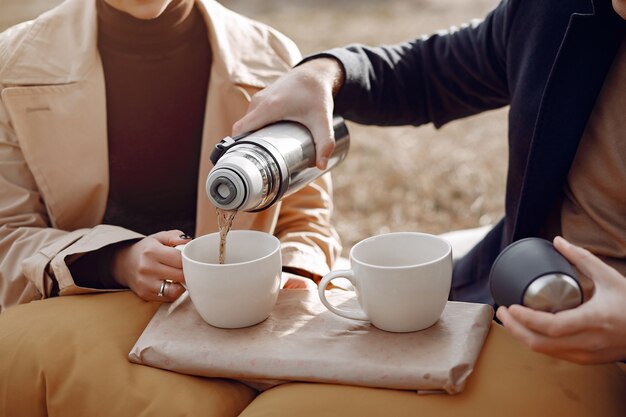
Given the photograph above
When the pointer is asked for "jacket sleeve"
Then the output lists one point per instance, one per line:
(309, 240)
(34, 255)
(446, 76)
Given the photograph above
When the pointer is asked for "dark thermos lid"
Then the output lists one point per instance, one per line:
(533, 273)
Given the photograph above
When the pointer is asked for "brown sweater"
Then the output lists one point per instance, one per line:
(156, 76)
(593, 214)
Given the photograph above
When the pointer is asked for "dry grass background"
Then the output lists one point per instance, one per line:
(394, 179)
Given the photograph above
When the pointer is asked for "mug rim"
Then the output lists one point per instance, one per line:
(447, 253)
(239, 232)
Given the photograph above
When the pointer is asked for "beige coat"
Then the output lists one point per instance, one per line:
(53, 147)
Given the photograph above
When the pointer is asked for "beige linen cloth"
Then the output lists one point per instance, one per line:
(303, 341)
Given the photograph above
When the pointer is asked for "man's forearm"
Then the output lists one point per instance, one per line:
(446, 76)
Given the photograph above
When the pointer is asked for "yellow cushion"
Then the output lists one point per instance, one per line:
(67, 356)
(509, 380)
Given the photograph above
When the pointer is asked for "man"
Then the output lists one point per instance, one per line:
(562, 69)
(106, 128)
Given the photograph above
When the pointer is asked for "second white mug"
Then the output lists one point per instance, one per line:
(402, 280)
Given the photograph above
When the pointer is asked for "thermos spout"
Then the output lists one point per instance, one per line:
(223, 190)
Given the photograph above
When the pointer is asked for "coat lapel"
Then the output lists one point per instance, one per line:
(62, 134)
(577, 75)
(54, 93)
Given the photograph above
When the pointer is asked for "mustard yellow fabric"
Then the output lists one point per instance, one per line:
(509, 380)
(67, 356)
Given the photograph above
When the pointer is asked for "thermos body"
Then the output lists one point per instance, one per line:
(255, 170)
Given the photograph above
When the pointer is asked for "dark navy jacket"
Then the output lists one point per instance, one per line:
(547, 59)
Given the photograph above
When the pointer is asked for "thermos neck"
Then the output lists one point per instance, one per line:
(244, 179)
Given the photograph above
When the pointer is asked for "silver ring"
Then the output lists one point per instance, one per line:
(165, 286)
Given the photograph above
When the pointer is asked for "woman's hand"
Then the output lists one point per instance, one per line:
(144, 265)
(291, 281)
(304, 95)
(594, 332)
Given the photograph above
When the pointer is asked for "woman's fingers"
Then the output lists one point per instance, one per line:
(165, 290)
(166, 253)
(153, 267)
(171, 238)
(168, 256)
(149, 288)
(294, 282)
(161, 271)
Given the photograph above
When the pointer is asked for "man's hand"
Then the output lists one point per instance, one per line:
(594, 332)
(304, 95)
(144, 265)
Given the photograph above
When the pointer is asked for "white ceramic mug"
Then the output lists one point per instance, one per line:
(402, 280)
(241, 292)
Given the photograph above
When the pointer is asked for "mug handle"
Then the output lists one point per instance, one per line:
(183, 297)
(348, 274)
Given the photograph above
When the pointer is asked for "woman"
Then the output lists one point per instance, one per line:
(110, 109)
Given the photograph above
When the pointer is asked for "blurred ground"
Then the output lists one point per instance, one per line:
(395, 179)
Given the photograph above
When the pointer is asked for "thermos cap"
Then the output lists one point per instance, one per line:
(533, 273)
(226, 189)
(552, 293)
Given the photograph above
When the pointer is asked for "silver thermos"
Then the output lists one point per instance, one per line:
(255, 170)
